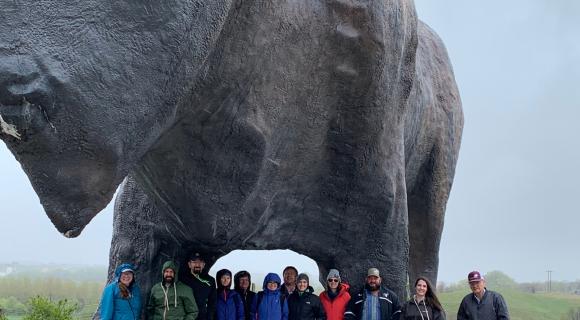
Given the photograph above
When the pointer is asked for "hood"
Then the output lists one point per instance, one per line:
(169, 265)
(271, 277)
(308, 290)
(218, 277)
(237, 277)
(343, 287)
(122, 267)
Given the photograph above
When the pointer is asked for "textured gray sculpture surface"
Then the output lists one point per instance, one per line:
(331, 128)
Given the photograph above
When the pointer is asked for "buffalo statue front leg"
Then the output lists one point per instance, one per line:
(141, 237)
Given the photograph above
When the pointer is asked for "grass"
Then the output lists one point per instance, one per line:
(522, 306)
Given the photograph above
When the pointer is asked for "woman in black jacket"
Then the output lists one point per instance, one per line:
(303, 304)
(424, 304)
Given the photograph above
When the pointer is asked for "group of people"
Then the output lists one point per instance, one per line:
(196, 295)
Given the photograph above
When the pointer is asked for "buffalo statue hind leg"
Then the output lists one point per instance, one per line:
(431, 153)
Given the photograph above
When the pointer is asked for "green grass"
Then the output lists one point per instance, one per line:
(522, 306)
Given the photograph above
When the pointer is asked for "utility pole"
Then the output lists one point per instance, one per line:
(549, 288)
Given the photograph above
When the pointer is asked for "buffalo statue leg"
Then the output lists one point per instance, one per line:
(431, 152)
(140, 237)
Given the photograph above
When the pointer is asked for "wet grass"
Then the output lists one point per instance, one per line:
(522, 306)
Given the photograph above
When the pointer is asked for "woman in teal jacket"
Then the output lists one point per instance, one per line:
(121, 298)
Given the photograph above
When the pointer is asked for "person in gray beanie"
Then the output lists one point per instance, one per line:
(303, 304)
(336, 296)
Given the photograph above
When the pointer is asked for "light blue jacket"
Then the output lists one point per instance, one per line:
(114, 306)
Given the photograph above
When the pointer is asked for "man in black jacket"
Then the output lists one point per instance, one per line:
(482, 304)
(203, 286)
(373, 302)
(289, 276)
(242, 283)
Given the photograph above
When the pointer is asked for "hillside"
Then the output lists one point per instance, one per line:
(522, 306)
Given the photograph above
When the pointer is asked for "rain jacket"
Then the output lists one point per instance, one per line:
(172, 302)
(229, 305)
(247, 295)
(271, 305)
(114, 306)
(335, 308)
(305, 306)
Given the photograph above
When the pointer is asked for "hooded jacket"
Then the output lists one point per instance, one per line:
(272, 306)
(114, 306)
(305, 306)
(246, 295)
(171, 302)
(229, 305)
(335, 308)
(204, 291)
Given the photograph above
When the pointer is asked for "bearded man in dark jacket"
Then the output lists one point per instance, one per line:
(374, 301)
(203, 286)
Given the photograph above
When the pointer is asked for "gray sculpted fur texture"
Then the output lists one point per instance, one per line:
(331, 128)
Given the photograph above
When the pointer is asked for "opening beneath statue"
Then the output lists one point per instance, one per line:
(261, 262)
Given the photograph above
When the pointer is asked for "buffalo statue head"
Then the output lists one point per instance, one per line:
(87, 86)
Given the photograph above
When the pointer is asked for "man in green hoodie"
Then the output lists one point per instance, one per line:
(170, 299)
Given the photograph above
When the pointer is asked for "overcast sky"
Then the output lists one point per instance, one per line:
(514, 204)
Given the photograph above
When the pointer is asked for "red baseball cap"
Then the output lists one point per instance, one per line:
(475, 276)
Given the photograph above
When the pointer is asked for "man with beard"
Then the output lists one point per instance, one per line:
(171, 299)
(374, 302)
(203, 286)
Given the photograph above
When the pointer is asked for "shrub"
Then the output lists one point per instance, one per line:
(41, 308)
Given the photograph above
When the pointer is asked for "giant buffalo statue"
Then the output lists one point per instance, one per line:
(331, 128)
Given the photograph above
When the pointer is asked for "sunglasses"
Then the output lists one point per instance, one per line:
(332, 280)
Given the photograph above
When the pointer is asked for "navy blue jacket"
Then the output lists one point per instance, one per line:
(229, 305)
(388, 302)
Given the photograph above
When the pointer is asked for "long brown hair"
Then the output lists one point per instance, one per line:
(430, 296)
(125, 293)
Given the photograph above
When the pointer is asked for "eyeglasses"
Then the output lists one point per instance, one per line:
(332, 280)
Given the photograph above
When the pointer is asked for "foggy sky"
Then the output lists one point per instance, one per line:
(514, 203)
